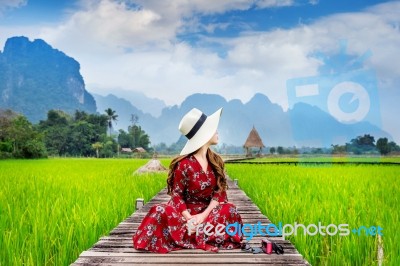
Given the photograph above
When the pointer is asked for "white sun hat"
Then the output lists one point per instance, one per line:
(198, 128)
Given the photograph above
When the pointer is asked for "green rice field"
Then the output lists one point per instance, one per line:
(357, 195)
(327, 159)
(52, 210)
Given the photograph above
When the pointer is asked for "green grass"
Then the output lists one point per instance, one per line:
(324, 158)
(52, 210)
(344, 194)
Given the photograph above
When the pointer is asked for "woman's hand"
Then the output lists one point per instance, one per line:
(186, 215)
(199, 218)
(191, 227)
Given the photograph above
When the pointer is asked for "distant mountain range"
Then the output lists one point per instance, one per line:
(139, 100)
(35, 78)
(304, 125)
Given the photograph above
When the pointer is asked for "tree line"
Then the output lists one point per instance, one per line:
(366, 145)
(360, 145)
(62, 134)
(92, 135)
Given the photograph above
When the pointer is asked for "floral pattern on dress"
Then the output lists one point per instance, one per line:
(164, 228)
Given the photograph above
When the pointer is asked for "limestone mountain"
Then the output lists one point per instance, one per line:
(34, 78)
(138, 99)
(124, 109)
(302, 125)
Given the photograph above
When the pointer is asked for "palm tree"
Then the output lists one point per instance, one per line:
(111, 116)
(134, 120)
(97, 146)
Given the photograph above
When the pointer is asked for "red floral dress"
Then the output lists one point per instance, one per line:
(164, 228)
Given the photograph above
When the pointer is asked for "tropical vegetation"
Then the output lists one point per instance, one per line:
(61, 134)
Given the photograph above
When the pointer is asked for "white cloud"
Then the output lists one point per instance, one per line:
(9, 4)
(135, 47)
(184, 8)
(274, 3)
(158, 63)
(113, 26)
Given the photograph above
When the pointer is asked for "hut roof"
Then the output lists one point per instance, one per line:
(126, 150)
(253, 140)
(153, 165)
(139, 149)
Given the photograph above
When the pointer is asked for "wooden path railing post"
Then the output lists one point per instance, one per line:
(139, 204)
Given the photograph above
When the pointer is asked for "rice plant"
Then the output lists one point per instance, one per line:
(356, 195)
(52, 210)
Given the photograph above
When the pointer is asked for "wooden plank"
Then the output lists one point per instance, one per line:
(173, 264)
(184, 252)
(186, 260)
(92, 253)
(116, 248)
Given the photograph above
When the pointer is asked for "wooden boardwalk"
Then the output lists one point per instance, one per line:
(116, 249)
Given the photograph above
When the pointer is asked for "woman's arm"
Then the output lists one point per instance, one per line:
(202, 216)
(211, 206)
(187, 215)
(217, 198)
(178, 188)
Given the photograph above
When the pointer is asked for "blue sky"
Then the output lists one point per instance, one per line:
(170, 49)
(50, 11)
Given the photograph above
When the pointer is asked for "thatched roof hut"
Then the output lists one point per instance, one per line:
(253, 141)
(126, 150)
(139, 149)
(153, 165)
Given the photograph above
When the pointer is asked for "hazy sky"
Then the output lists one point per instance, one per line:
(170, 49)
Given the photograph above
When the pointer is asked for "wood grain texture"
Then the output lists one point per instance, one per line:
(116, 248)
